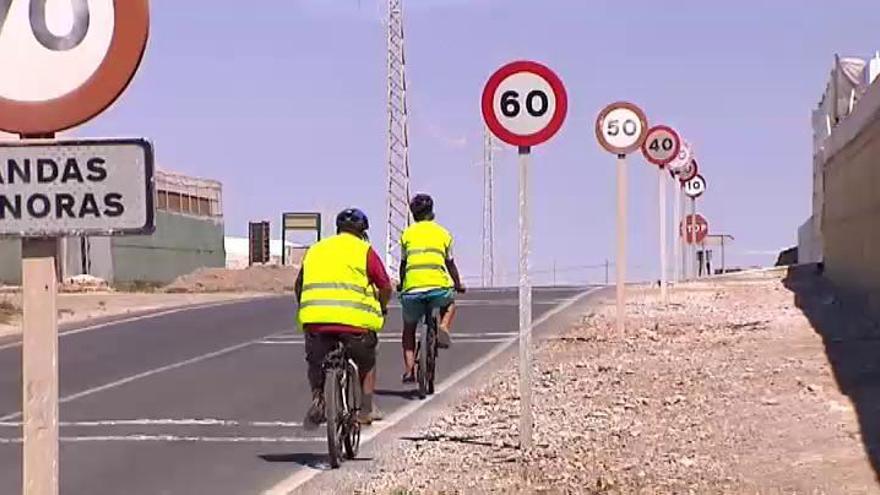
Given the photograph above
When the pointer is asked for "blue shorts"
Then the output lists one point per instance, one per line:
(416, 304)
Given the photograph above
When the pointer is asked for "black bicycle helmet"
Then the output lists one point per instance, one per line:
(422, 206)
(352, 220)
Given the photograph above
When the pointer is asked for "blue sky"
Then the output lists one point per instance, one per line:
(284, 102)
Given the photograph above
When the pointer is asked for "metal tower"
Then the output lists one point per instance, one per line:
(488, 210)
(398, 139)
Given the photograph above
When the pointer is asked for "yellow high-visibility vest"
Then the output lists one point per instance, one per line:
(336, 288)
(425, 246)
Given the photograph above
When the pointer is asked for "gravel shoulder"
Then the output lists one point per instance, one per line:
(727, 389)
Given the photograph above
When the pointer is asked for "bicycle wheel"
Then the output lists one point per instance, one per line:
(422, 351)
(431, 347)
(352, 441)
(333, 411)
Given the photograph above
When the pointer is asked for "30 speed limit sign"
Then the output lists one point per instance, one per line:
(621, 128)
(695, 187)
(524, 103)
(683, 158)
(661, 145)
(64, 62)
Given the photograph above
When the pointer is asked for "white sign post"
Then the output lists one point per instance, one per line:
(524, 104)
(60, 78)
(685, 154)
(661, 147)
(621, 128)
(694, 188)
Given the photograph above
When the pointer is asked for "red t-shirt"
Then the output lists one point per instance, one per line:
(377, 276)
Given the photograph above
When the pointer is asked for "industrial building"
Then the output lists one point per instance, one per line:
(189, 235)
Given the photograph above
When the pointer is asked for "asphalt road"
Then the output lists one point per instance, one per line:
(209, 401)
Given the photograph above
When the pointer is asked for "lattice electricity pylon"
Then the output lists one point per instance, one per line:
(398, 139)
(488, 271)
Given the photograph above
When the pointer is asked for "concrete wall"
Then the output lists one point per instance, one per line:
(180, 245)
(851, 208)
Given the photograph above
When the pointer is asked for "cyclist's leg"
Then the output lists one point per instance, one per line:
(413, 307)
(318, 345)
(445, 301)
(362, 349)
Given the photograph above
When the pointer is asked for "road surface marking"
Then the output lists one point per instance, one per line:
(149, 373)
(306, 473)
(142, 317)
(178, 439)
(165, 422)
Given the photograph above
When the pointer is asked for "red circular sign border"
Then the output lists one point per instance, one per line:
(696, 172)
(608, 109)
(661, 163)
(127, 46)
(541, 71)
(684, 234)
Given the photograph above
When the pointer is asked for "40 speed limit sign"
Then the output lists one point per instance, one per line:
(661, 145)
(64, 62)
(524, 103)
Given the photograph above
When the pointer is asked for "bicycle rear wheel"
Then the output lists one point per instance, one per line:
(352, 441)
(422, 351)
(431, 354)
(335, 419)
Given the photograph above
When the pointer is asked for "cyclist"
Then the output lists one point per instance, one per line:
(428, 276)
(342, 291)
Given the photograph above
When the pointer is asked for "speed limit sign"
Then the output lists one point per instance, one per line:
(683, 159)
(695, 187)
(64, 62)
(621, 128)
(524, 103)
(661, 145)
(688, 172)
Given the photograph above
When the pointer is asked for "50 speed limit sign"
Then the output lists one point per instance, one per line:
(524, 103)
(64, 62)
(661, 145)
(621, 128)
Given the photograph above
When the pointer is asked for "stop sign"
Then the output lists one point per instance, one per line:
(694, 229)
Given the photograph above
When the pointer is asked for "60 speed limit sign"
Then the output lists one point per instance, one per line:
(524, 103)
(661, 145)
(64, 62)
(621, 128)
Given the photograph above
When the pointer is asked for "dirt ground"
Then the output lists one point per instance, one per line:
(734, 387)
(262, 279)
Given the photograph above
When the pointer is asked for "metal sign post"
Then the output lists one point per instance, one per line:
(525, 302)
(676, 257)
(524, 104)
(621, 128)
(661, 147)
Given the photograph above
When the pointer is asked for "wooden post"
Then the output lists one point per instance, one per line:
(39, 367)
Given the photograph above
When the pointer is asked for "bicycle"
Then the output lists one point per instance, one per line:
(426, 354)
(342, 402)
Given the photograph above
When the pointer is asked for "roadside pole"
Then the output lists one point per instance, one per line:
(621, 242)
(524, 104)
(525, 303)
(621, 128)
(677, 253)
(39, 367)
(692, 245)
(661, 147)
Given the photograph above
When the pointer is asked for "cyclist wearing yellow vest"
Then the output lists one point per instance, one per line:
(342, 291)
(428, 277)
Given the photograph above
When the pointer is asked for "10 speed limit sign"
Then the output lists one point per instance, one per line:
(695, 187)
(661, 145)
(524, 103)
(621, 128)
(64, 62)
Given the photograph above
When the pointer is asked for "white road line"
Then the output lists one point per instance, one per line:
(177, 439)
(305, 474)
(165, 422)
(146, 374)
(141, 317)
